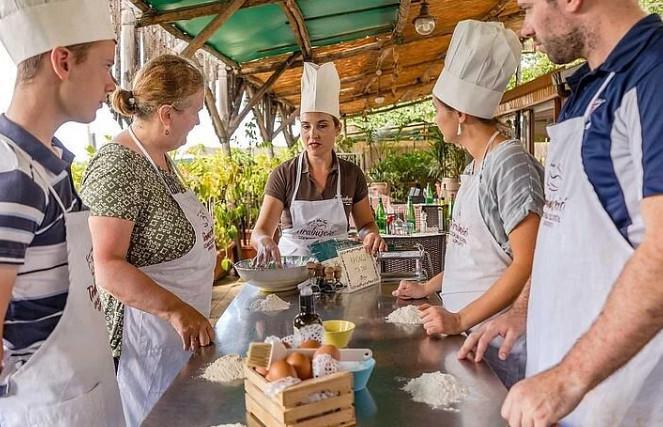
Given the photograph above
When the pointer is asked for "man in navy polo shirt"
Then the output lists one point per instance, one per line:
(55, 364)
(595, 309)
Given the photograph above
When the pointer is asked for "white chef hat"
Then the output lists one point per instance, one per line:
(321, 87)
(481, 59)
(31, 27)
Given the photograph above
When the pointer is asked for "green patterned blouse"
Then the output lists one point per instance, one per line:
(121, 183)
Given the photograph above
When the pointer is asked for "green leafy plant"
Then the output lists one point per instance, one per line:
(448, 160)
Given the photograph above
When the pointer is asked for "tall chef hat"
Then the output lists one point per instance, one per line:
(321, 87)
(481, 59)
(31, 27)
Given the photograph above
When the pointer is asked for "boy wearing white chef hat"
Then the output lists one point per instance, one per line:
(56, 367)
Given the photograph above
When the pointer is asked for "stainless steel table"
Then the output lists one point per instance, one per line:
(402, 352)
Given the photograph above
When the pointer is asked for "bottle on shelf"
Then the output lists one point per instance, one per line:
(428, 194)
(381, 217)
(410, 217)
(450, 211)
(307, 315)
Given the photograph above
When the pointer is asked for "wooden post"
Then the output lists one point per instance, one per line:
(219, 128)
(127, 48)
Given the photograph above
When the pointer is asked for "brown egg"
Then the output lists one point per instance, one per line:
(328, 349)
(280, 369)
(262, 371)
(302, 365)
(309, 344)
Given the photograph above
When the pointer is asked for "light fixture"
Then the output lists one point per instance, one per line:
(425, 22)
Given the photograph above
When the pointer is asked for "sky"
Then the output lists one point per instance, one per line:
(77, 136)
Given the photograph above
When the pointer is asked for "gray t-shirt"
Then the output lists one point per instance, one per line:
(511, 187)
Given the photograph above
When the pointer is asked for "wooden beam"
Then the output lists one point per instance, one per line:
(403, 12)
(391, 108)
(359, 77)
(209, 30)
(177, 33)
(154, 17)
(496, 10)
(265, 87)
(347, 53)
(298, 27)
(410, 86)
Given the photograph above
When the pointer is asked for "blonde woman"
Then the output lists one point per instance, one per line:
(153, 241)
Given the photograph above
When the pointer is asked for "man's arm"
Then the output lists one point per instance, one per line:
(633, 313)
(631, 317)
(7, 279)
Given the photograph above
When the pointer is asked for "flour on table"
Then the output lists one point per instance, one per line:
(408, 315)
(225, 369)
(437, 390)
(230, 425)
(270, 303)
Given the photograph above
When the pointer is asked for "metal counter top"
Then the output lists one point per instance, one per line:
(401, 352)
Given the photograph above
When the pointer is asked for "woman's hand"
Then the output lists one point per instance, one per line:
(268, 251)
(408, 289)
(438, 320)
(194, 329)
(373, 243)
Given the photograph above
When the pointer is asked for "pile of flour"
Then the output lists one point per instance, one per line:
(408, 315)
(437, 390)
(270, 303)
(225, 369)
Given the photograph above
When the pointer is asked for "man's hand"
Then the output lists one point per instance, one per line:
(543, 399)
(438, 320)
(510, 326)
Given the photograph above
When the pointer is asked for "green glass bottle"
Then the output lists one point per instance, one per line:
(428, 194)
(450, 211)
(410, 217)
(381, 217)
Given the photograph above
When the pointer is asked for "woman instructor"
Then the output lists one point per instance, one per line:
(314, 194)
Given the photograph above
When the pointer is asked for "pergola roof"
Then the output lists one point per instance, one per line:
(259, 38)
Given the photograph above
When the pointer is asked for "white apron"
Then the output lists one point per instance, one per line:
(313, 220)
(474, 261)
(579, 255)
(70, 380)
(152, 353)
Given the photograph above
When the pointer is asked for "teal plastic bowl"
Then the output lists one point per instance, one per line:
(361, 374)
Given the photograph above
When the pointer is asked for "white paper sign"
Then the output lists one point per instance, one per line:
(359, 268)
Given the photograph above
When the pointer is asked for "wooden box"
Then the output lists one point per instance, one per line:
(286, 409)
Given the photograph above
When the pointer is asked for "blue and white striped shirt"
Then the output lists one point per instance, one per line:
(32, 236)
(622, 151)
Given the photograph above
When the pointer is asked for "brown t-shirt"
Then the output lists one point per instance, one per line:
(282, 181)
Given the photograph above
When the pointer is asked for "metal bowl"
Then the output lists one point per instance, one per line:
(274, 279)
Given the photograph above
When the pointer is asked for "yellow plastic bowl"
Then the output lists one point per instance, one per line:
(338, 332)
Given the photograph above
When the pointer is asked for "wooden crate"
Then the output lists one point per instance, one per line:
(284, 409)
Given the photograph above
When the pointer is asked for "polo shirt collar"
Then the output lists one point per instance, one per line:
(35, 149)
(632, 44)
(334, 163)
(628, 48)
